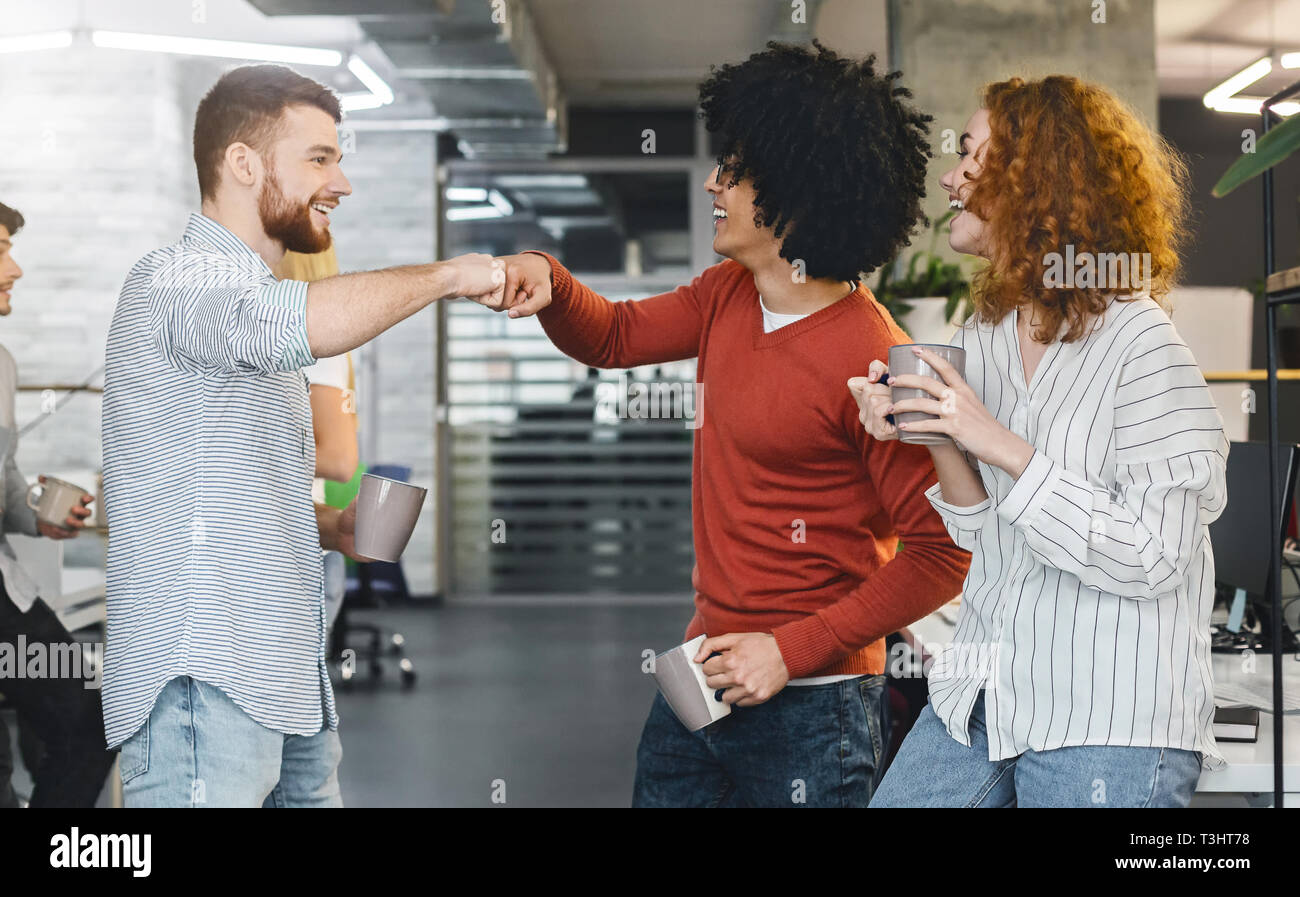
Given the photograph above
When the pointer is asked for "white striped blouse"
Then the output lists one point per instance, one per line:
(214, 562)
(1086, 611)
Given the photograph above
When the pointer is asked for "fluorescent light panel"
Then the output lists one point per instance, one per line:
(229, 49)
(1238, 82)
(467, 194)
(45, 40)
(1226, 96)
(500, 203)
(379, 93)
(361, 100)
(367, 76)
(473, 213)
(541, 181)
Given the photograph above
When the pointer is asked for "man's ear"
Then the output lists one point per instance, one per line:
(243, 164)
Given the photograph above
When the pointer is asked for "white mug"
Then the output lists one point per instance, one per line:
(685, 687)
(56, 501)
(387, 511)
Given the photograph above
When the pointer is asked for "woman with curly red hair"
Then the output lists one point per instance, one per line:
(1085, 463)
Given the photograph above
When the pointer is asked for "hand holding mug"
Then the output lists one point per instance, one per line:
(61, 510)
(346, 533)
(873, 395)
(960, 415)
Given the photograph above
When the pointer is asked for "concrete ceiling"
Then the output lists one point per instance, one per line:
(448, 56)
(634, 52)
(1199, 43)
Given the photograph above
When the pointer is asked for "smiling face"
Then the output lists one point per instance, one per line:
(735, 235)
(303, 181)
(9, 270)
(967, 233)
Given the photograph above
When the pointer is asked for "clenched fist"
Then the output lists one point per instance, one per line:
(528, 283)
(478, 277)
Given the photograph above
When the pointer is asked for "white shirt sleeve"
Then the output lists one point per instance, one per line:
(329, 372)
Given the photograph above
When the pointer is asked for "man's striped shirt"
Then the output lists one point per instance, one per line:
(1086, 610)
(214, 562)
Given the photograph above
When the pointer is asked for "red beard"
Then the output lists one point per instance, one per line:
(288, 222)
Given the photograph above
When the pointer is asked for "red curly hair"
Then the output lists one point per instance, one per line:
(1070, 164)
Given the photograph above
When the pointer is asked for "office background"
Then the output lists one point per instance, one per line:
(565, 125)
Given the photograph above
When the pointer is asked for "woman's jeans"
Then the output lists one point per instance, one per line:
(932, 769)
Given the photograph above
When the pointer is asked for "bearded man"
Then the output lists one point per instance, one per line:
(215, 681)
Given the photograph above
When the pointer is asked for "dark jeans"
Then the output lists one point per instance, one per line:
(811, 745)
(66, 714)
(8, 800)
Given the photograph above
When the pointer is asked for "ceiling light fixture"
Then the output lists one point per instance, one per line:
(45, 40)
(367, 76)
(1224, 97)
(228, 49)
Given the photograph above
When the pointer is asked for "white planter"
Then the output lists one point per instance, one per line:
(926, 323)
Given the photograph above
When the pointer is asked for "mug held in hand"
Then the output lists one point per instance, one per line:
(387, 511)
(684, 686)
(56, 500)
(903, 361)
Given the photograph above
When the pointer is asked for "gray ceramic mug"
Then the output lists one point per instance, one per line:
(902, 361)
(386, 514)
(56, 501)
(682, 682)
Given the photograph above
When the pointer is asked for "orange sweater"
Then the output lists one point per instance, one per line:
(779, 453)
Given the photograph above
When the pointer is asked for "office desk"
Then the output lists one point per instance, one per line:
(1250, 765)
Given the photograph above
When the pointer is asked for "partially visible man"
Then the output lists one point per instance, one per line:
(63, 711)
(215, 677)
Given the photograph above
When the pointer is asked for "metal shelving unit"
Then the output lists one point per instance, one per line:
(1281, 288)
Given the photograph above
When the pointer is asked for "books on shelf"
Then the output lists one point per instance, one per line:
(1236, 723)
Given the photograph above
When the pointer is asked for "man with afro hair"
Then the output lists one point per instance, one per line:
(796, 512)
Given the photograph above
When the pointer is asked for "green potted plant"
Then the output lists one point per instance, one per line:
(1278, 144)
(912, 295)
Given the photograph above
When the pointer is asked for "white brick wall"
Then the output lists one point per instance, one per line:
(98, 157)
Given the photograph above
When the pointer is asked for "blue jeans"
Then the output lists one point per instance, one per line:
(198, 749)
(932, 769)
(810, 745)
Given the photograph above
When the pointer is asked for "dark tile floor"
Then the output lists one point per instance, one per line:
(549, 700)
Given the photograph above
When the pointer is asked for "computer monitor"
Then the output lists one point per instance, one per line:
(1241, 536)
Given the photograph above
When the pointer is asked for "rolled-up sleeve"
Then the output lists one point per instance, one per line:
(245, 328)
(963, 523)
(1136, 536)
